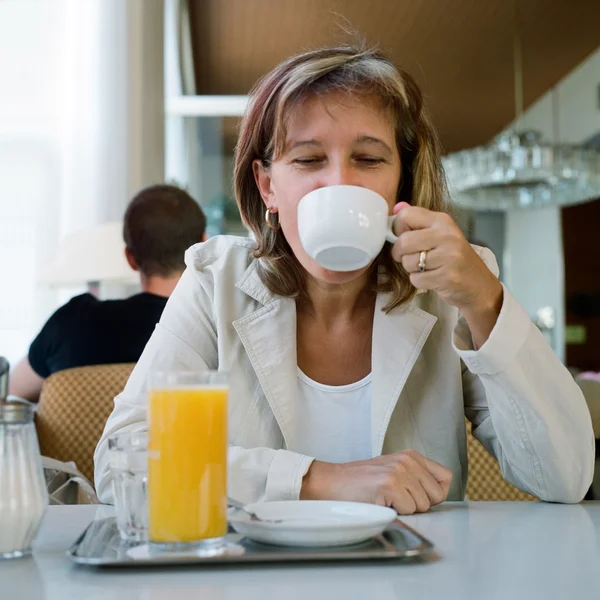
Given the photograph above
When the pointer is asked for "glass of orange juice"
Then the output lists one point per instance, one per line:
(187, 462)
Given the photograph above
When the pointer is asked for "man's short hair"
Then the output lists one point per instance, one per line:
(160, 224)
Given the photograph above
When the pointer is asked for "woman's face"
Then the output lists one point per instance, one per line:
(331, 140)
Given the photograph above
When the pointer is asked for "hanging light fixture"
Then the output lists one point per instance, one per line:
(519, 170)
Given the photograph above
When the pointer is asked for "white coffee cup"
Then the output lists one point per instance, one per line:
(344, 227)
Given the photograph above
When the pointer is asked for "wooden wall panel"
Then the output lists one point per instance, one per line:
(459, 50)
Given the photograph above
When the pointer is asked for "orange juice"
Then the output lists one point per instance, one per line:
(187, 464)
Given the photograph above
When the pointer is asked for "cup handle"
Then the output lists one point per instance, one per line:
(390, 236)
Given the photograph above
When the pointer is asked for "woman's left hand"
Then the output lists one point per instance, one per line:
(452, 267)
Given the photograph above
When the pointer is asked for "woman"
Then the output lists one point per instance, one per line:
(355, 385)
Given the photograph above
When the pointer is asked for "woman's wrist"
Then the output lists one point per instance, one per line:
(482, 318)
(317, 480)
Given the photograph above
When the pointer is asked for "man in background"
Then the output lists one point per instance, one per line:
(160, 224)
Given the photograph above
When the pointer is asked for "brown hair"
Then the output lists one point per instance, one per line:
(356, 71)
(160, 224)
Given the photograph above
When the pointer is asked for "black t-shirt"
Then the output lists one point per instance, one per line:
(87, 331)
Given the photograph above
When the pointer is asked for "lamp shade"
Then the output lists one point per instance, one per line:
(96, 254)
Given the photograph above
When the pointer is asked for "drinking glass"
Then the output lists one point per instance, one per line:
(187, 462)
(128, 460)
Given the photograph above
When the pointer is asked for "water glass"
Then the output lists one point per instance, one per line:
(128, 460)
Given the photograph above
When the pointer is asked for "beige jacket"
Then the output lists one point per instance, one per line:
(524, 405)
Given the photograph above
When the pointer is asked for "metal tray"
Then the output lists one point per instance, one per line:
(100, 545)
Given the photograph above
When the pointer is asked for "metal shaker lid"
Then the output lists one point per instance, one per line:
(16, 411)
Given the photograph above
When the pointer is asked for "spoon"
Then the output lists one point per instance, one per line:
(253, 516)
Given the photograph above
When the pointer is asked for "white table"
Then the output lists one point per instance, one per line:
(494, 551)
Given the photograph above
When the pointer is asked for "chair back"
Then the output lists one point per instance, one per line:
(591, 393)
(73, 408)
(485, 479)
(590, 387)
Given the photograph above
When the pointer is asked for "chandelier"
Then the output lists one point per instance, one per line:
(520, 170)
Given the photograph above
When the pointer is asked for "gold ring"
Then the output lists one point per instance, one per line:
(422, 260)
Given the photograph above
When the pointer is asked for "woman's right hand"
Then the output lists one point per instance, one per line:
(406, 481)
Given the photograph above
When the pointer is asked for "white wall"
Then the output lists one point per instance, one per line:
(488, 228)
(534, 265)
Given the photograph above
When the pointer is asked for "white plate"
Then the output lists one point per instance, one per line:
(313, 523)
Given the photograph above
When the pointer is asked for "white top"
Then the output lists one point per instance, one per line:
(516, 550)
(334, 422)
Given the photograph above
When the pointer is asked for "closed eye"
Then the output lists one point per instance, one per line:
(370, 160)
(313, 160)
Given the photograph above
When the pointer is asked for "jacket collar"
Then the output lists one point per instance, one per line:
(251, 284)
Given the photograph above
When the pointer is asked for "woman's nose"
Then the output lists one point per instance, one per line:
(340, 175)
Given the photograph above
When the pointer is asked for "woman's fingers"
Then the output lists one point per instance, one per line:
(414, 217)
(419, 494)
(440, 473)
(411, 242)
(436, 492)
(434, 259)
(420, 476)
(403, 502)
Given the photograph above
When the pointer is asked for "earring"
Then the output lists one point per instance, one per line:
(274, 227)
